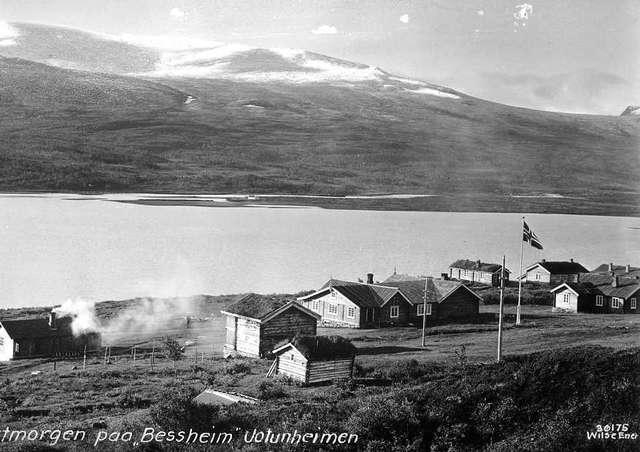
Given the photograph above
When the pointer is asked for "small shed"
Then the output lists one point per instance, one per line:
(255, 324)
(315, 359)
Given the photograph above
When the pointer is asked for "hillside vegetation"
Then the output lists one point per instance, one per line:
(541, 401)
(66, 130)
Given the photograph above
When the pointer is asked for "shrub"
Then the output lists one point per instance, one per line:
(268, 390)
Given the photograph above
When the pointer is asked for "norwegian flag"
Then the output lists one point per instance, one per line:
(530, 237)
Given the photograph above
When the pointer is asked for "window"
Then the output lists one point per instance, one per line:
(316, 305)
(428, 308)
(351, 312)
(566, 297)
(633, 303)
(537, 276)
(599, 300)
(420, 310)
(333, 309)
(616, 303)
(394, 311)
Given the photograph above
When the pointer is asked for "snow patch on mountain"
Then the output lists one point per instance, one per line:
(234, 62)
(7, 35)
(433, 92)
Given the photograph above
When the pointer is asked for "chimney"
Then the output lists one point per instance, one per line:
(52, 319)
(369, 278)
(478, 263)
(628, 268)
(544, 260)
(614, 281)
(611, 267)
(571, 260)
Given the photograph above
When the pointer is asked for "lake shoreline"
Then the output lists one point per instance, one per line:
(620, 205)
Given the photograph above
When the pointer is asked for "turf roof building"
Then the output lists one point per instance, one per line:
(396, 303)
(42, 337)
(553, 272)
(598, 293)
(256, 323)
(315, 359)
(477, 271)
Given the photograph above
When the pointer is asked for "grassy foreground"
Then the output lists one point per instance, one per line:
(543, 401)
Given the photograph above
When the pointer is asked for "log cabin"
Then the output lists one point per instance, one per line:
(256, 323)
(315, 359)
(597, 293)
(42, 337)
(392, 303)
(477, 271)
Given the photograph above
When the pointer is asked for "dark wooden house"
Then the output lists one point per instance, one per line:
(42, 337)
(315, 359)
(392, 303)
(553, 272)
(256, 323)
(598, 293)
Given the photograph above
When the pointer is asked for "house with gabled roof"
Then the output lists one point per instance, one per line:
(256, 323)
(38, 337)
(395, 303)
(553, 272)
(598, 293)
(477, 271)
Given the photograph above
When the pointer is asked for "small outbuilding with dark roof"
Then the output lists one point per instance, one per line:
(256, 323)
(315, 359)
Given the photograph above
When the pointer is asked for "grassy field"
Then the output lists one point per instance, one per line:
(130, 396)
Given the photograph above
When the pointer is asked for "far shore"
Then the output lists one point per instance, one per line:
(620, 205)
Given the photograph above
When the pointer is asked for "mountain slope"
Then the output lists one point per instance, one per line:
(233, 119)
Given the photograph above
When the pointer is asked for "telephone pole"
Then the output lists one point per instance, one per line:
(501, 310)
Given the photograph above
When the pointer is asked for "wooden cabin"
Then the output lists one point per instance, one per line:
(556, 272)
(315, 359)
(42, 337)
(477, 271)
(597, 293)
(396, 303)
(256, 323)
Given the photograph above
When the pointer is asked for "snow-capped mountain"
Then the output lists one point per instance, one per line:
(80, 111)
(172, 58)
(631, 110)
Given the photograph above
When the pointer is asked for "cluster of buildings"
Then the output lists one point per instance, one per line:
(260, 325)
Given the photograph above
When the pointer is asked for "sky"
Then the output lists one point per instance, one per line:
(580, 56)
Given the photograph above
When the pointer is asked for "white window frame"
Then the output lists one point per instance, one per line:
(428, 308)
(616, 302)
(599, 300)
(420, 310)
(633, 304)
(316, 305)
(332, 309)
(394, 311)
(351, 312)
(566, 297)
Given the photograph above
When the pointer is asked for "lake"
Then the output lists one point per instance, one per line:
(56, 247)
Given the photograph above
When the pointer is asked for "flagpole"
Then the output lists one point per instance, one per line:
(501, 310)
(520, 274)
(424, 311)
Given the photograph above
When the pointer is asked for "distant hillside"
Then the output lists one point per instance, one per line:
(257, 121)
